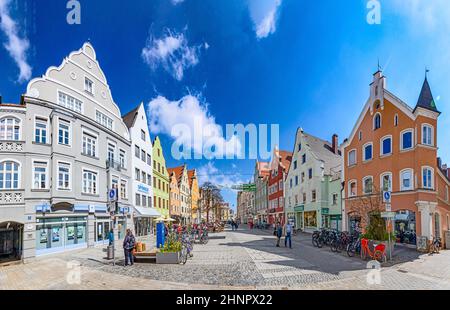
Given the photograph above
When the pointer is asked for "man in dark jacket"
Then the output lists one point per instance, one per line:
(128, 246)
(279, 233)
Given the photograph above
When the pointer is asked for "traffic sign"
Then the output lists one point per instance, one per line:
(388, 207)
(387, 196)
(112, 194)
(388, 215)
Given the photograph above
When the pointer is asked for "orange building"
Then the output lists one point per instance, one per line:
(393, 147)
(174, 198)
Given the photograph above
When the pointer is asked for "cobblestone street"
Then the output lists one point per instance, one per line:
(231, 260)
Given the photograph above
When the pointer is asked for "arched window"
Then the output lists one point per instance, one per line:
(9, 128)
(9, 175)
(368, 185)
(427, 178)
(377, 121)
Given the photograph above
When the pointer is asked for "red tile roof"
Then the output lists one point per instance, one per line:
(191, 175)
(285, 159)
(178, 171)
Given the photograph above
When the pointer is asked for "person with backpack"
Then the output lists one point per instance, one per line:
(128, 245)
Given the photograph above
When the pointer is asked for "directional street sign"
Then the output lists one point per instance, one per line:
(388, 215)
(387, 197)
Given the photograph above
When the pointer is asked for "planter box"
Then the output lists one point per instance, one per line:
(168, 258)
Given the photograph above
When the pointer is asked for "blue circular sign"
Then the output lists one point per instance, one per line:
(112, 193)
(387, 195)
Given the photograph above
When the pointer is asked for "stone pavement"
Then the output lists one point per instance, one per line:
(231, 260)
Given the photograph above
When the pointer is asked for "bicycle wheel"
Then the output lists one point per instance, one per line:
(351, 250)
(319, 243)
(183, 255)
(379, 256)
(333, 246)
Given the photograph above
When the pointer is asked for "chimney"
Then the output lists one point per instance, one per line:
(444, 167)
(448, 173)
(335, 144)
(439, 163)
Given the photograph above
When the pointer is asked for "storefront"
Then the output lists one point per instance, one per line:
(354, 223)
(405, 227)
(144, 220)
(54, 234)
(11, 241)
(331, 221)
(299, 216)
(102, 226)
(310, 220)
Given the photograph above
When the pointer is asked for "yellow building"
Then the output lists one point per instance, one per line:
(194, 189)
(160, 179)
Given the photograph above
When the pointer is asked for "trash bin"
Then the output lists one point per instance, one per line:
(110, 252)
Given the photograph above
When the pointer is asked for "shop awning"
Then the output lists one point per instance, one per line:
(146, 212)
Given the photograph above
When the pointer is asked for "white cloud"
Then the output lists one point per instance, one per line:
(172, 52)
(198, 127)
(175, 2)
(264, 14)
(16, 46)
(224, 180)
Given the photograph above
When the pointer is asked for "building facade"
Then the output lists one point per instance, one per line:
(160, 179)
(174, 199)
(141, 171)
(181, 173)
(279, 166)
(195, 196)
(245, 206)
(62, 149)
(261, 178)
(313, 184)
(393, 147)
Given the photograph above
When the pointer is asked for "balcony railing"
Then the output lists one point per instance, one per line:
(11, 146)
(111, 164)
(10, 197)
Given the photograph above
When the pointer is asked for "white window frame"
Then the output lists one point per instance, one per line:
(401, 179)
(364, 151)
(76, 102)
(19, 174)
(122, 194)
(123, 159)
(94, 173)
(374, 118)
(431, 128)
(382, 179)
(411, 130)
(104, 119)
(428, 168)
(90, 135)
(348, 158)
(37, 163)
(86, 89)
(59, 164)
(69, 131)
(350, 194)
(41, 120)
(16, 122)
(382, 145)
(364, 185)
(112, 144)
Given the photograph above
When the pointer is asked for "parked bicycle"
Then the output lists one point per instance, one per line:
(354, 247)
(379, 252)
(435, 246)
(340, 241)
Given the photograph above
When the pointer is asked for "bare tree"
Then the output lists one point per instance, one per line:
(211, 197)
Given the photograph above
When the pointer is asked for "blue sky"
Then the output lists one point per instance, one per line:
(291, 62)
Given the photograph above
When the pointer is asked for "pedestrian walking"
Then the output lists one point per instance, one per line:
(279, 233)
(111, 237)
(288, 234)
(128, 245)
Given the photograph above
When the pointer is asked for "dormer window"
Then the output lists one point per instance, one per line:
(377, 121)
(88, 86)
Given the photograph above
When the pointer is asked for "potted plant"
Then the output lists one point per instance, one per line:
(170, 252)
(377, 233)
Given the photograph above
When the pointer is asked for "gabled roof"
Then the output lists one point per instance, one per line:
(263, 168)
(130, 117)
(426, 100)
(323, 151)
(285, 159)
(191, 175)
(178, 171)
